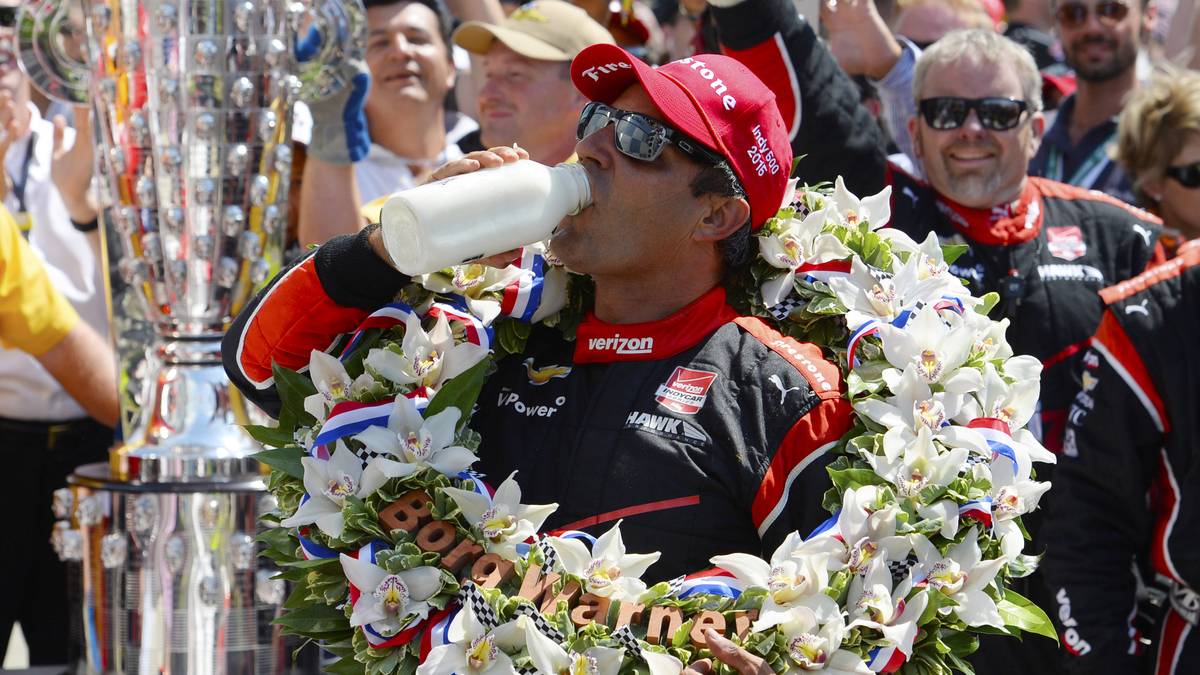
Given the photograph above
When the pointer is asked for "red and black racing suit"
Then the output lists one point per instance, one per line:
(705, 432)
(1128, 482)
(1048, 254)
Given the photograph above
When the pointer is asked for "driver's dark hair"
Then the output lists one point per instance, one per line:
(719, 179)
(445, 18)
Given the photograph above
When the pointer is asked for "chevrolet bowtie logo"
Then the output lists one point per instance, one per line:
(540, 376)
(528, 12)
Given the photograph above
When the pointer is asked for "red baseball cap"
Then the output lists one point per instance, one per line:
(711, 98)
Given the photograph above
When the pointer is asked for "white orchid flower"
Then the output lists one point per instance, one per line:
(333, 384)
(875, 604)
(913, 406)
(1013, 495)
(795, 579)
(473, 650)
(991, 342)
(549, 657)
(554, 292)
(661, 664)
(386, 601)
(503, 520)
(814, 645)
(873, 295)
(936, 348)
(921, 465)
(1011, 402)
(328, 483)
(418, 442)
(428, 359)
(962, 575)
(865, 531)
(793, 243)
(607, 570)
(479, 285)
(876, 209)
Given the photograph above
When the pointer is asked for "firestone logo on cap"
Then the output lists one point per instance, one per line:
(715, 83)
(596, 71)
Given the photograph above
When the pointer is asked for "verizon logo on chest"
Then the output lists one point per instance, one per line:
(621, 345)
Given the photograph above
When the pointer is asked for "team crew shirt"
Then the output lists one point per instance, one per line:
(705, 433)
(34, 316)
(1127, 486)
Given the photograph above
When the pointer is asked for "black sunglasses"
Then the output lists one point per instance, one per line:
(1075, 14)
(950, 112)
(639, 136)
(1188, 175)
(8, 17)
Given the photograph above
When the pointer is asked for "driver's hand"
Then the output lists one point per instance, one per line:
(731, 655)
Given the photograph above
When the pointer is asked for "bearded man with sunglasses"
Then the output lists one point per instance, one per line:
(1100, 40)
(705, 431)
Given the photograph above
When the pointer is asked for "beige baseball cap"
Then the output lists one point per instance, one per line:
(546, 30)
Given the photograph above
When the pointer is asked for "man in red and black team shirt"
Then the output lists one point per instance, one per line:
(1133, 431)
(1045, 247)
(703, 430)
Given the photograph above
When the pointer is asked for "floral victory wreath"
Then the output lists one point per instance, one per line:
(402, 559)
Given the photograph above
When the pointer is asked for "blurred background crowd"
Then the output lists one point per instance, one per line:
(1067, 155)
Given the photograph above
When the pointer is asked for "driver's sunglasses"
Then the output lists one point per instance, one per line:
(950, 112)
(1075, 14)
(8, 17)
(1188, 175)
(639, 136)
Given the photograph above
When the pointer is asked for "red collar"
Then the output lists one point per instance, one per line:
(600, 342)
(1000, 225)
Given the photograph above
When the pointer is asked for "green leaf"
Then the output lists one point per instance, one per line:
(460, 392)
(314, 618)
(952, 252)
(845, 479)
(989, 301)
(293, 388)
(1019, 612)
(286, 460)
(272, 437)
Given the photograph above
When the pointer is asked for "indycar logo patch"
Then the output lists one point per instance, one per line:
(1066, 242)
(685, 391)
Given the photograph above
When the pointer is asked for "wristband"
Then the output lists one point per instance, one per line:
(89, 226)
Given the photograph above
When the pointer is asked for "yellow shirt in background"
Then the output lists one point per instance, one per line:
(33, 315)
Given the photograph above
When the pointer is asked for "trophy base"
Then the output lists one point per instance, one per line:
(189, 430)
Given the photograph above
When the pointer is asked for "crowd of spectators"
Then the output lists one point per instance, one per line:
(1059, 139)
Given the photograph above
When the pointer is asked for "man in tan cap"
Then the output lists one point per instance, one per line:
(527, 96)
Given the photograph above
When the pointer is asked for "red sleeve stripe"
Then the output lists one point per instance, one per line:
(824, 377)
(1168, 513)
(630, 511)
(770, 61)
(1187, 256)
(1174, 636)
(1113, 344)
(294, 317)
(810, 438)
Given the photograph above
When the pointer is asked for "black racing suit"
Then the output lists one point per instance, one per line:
(1128, 482)
(1048, 254)
(705, 432)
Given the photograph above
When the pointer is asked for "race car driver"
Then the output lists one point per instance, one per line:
(706, 432)
(1127, 485)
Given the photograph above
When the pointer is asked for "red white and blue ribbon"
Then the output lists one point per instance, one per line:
(309, 548)
(437, 629)
(824, 271)
(523, 295)
(385, 317)
(885, 659)
(350, 417)
(455, 311)
(872, 327)
(477, 483)
(978, 509)
(715, 581)
(826, 526)
(1000, 441)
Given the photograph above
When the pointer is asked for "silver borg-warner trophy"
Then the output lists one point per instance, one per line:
(193, 103)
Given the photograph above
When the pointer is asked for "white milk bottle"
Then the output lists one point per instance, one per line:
(479, 214)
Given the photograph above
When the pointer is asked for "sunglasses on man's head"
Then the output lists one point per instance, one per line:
(8, 17)
(1188, 175)
(1075, 14)
(950, 112)
(639, 136)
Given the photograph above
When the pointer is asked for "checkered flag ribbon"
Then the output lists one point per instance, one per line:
(544, 627)
(973, 459)
(624, 637)
(469, 595)
(365, 455)
(785, 308)
(548, 554)
(900, 568)
(674, 586)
